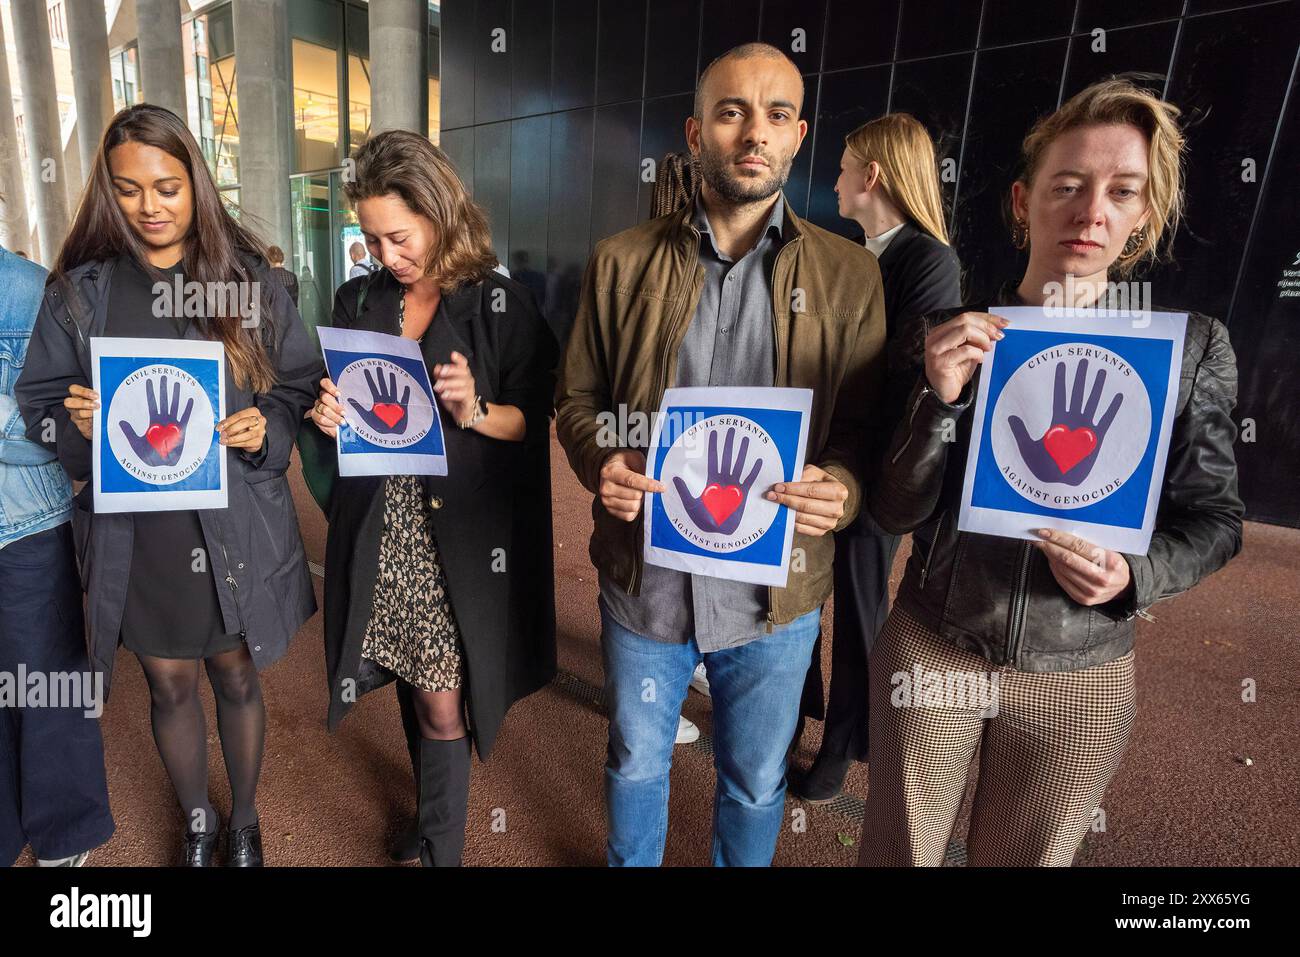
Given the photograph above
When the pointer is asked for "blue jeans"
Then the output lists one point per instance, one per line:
(755, 690)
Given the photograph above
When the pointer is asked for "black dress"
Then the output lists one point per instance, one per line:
(171, 609)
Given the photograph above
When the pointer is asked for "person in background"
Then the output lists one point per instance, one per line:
(889, 185)
(702, 297)
(275, 256)
(1100, 191)
(444, 584)
(219, 589)
(53, 793)
(361, 264)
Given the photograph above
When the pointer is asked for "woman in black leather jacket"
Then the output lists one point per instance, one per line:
(1039, 634)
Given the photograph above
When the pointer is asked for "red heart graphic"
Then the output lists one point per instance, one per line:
(1069, 447)
(388, 412)
(164, 438)
(721, 501)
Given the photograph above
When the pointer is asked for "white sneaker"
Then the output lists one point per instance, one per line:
(700, 680)
(76, 860)
(686, 731)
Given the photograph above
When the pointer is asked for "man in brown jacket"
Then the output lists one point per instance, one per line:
(732, 290)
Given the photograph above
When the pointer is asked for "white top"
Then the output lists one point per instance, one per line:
(878, 244)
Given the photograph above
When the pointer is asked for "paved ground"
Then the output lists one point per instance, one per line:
(1185, 794)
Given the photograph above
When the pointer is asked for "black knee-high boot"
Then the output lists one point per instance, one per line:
(406, 846)
(444, 799)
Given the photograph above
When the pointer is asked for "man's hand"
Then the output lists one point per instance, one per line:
(1088, 573)
(623, 483)
(817, 500)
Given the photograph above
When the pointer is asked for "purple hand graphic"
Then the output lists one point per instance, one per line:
(721, 505)
(387, 414)
(164, 436)
(1068, 449)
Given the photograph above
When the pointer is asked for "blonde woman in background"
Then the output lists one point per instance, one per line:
(889, 185)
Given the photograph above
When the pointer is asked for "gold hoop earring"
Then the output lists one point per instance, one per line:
(1020, 234)
(1133, 245)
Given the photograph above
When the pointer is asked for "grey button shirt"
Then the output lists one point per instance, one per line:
(730, 342)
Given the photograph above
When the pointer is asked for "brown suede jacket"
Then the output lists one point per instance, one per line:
(639, 295)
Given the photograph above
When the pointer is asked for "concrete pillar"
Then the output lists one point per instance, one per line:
(92, 82)
(399, 65)
(162, 65)
(41, 124)
(15, 231)
(262, 57)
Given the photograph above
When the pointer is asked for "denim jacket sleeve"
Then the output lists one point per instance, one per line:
(15, 447)
(51, 366)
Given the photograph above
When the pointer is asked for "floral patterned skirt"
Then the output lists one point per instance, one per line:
(412, 630)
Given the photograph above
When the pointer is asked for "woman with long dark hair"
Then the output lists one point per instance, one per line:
(444, 584)
(226, 587)
(1047, 624)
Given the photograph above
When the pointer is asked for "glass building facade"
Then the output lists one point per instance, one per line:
(330, 75)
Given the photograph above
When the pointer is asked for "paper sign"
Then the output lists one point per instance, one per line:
(154, 439)
(1072, 423)
(392, 426)
(718, 451)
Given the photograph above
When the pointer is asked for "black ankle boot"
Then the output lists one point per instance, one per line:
(824, 780)
(443, 800)
(405, 847)
(245, 847)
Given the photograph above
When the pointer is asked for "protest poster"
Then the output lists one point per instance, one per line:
(155, 443)
(1071, 425)
(718, 450)
(392, 427)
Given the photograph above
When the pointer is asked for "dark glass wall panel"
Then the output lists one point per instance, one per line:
(568, 238)
(492, 66)
(617, 168)
(620, 58)
(492, 181)
(799, 180)
(796, 28)
(1121, 13)
(1229, 79)
(848, 99)
(934, 27)
(457, 87)
(530, 60)
(663, 130)
(1265, 330)
(727, 23)
(1013, 87)
(860, 32)
(1019, 21)
(530, 175)
(1136, 49)
(672, 46)
(459, 147)
(573, 45)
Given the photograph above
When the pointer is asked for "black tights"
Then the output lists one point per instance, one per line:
(182, 738)
(432, 714)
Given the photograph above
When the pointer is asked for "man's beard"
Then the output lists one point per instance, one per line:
(718, 171)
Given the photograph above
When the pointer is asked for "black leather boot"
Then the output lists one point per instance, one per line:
(245, 847)
(823, 781)
(444, 799)
(405, 848)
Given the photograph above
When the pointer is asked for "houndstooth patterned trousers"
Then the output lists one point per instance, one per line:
(1048, 744)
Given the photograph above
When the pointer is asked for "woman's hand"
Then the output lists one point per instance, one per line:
(327, 413)
(245, 429)
(81, 404)
(454, 384)
(1088, 573)
(955, 349)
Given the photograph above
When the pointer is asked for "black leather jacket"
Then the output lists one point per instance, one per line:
(997, 596)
